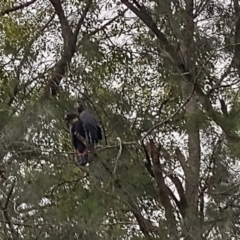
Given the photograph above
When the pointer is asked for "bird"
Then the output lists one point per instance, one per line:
(77, 133)
(92, 129)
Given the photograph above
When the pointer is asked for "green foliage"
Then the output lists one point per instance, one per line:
(130, 81)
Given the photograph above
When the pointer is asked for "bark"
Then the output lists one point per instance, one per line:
(163, 190)
(192, 127)
(182, 204)
(236, 58)
(70, 44)
(68, 51)
(145, 225)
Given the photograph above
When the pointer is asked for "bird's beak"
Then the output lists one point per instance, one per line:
(65, 117)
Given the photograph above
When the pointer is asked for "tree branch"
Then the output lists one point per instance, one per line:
(19, 7)
(182, 160)
(182, 205)
(170, 117)
(106, 24)
(118, 156)
(68, 51)
(4, 207)
(183, 201)
(67, 33)
(162, 188)
(140, 219)
(82, 18)
(236, 57)
(142, 13)
(186, 75)
(6, 215)
(24, 86)
(70, 41)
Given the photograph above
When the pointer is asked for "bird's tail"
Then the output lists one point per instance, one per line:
(99, 131)
(93, 134)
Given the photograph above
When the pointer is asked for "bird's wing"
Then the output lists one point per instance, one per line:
(73, 137)
(78, 127)
(77, 143)
(99, 132)
(92, 131)
(88, 120)
(87, 117)
(90, 125)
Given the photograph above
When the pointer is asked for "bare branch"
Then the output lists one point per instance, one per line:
(200, 7)
(4, 207)
(183, 201)
(119, 155)
(65, 26)
(170, 117)
(106, 24)
(182, 160)
(182, 205)
(82, 18)
(145, 225)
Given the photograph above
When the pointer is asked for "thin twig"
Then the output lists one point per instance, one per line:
(170, 117)
(119, 155)
(3, 208)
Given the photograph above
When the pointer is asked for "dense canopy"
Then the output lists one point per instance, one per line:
(162, 79)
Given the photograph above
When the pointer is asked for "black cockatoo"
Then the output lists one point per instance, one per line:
(93, 131)
(75, 126)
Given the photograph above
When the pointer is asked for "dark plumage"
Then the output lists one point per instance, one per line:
(76, 127)
(90, 125)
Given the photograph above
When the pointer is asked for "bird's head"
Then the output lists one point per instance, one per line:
(70, 118)
(80, 107)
